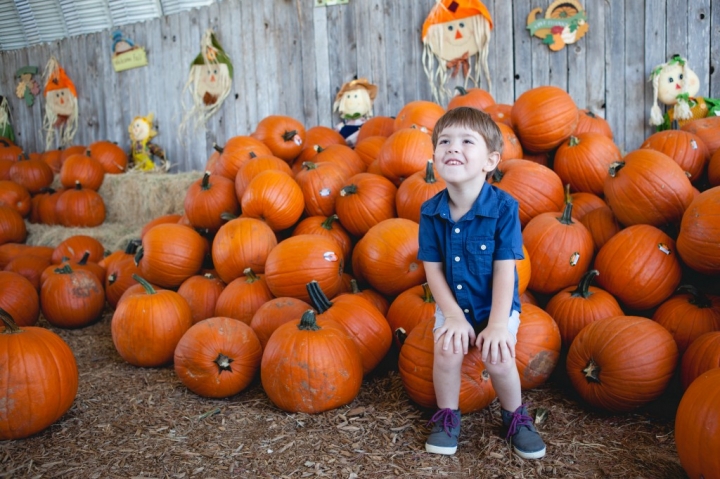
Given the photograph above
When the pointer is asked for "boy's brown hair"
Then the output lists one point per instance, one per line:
(474, 119)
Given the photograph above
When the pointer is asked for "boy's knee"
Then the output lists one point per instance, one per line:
(500, 368)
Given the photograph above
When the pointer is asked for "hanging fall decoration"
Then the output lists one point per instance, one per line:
(61, 108)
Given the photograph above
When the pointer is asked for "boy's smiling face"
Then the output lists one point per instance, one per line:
(461, 155)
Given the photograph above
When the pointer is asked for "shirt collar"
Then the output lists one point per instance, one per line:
(486, 203)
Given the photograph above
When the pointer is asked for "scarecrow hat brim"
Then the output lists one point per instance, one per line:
(356, 85)
(59, 80)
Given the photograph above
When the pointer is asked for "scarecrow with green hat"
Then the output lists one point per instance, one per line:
(209, 82)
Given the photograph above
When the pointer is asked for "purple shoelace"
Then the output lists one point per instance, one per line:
(518, 420)
(448, 418)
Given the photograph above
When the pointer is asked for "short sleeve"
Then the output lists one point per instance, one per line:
(429, 247)
(508, 236)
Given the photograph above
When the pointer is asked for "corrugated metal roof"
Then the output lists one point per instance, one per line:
(28, 22)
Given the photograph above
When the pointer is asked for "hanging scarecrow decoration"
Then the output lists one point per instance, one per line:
(209, 82)
(354, 102)
(456, 34)
(6, 129)
(143, 151)
(61, 107)
(27, 88)
(676, 86)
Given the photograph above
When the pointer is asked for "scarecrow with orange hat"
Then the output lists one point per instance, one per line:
(61, 106)
(455, 36)
(209, 82)
(354, 102)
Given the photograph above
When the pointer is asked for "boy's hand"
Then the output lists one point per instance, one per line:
(457, 331)
(496, 342)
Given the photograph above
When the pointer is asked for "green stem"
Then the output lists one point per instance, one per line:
(11, 326)
(698, 298)
(148, 287)
(461, 90)
(205, 184)
(317, 297)
(327, 224)
(308, 321)
(251, 277)
(64, 270)
(430, 173)
(427, 294)
(583, 288)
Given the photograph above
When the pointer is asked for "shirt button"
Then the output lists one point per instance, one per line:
(483, 247)
(466, 310)
(457, 230)
(457, 259)
(459, 286)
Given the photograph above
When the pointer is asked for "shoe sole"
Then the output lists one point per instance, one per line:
(448, 451)
(530, 455)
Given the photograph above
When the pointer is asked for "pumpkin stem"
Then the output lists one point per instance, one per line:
(251, 276)
(308, 165)
(566, 217)
(11, 326)
(218, 148)
(592, 372)
(427, 294)
(148, 287)
(252, 154)
(583, 288)
(401, 335)
(223, 363)
(461, 91)
(590, 114)
(698, 299)
(574, 141)
(227, 216)
(289, 135)
(205, 184)
(430, 172)
(327, 224)
(497, 175)
(615, 166)
(354, 288)
(78, 186)
(348, 190)
(317, 296)
(83, 261)
(64, 270)
(308, 321)
(138, 255)
(209, 276)
(132, 246)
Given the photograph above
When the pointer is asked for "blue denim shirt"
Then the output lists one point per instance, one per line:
(467, 248)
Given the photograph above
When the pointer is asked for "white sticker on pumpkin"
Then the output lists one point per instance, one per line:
(330, 256)
(325, 192)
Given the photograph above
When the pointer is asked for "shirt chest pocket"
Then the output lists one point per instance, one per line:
(480, 255)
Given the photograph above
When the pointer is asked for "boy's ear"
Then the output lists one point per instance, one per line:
(493, 161)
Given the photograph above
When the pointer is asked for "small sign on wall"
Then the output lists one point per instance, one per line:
(565, 22)
(126, 54)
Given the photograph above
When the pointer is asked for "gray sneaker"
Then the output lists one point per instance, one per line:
(443, 438)
(521, 432)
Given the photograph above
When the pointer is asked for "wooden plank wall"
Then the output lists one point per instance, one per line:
(291, 57)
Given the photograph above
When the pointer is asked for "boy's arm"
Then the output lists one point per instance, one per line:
(458, 330)
(495, 339)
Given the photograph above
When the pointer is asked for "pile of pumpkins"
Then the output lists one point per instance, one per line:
(295, 256)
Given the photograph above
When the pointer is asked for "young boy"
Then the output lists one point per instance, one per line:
(469, 240)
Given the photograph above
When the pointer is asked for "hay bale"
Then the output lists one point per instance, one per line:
(131, 200)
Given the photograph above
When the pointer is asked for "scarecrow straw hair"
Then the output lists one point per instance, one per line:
(681, 110)
(4, 114)
(200, 112)
(67, 129)
(438, 76)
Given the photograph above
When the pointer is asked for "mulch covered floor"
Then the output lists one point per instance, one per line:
(130, 422)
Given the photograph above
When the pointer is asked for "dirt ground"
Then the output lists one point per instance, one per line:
(130, 422)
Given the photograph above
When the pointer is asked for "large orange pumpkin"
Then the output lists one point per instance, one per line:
(19, 298)
(702, 356)
(685, 148)
(697, 241)
(365, 201)
(404, 153)
(239, 244)
(39, 381)
(410, 308)
(274, 313)
(284, 135)
(71, 298)
(201, 292)
(112, 158)
(538, 346)
(275, 197)
(415, 190)
(472, 97)
(241, 298)
(543, 117)
(583, 161)
(688, 315)
(235, 153)
(170, 254)
(207, 199)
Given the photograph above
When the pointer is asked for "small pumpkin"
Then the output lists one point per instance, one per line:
(416, 189)
(207, 199)
(71, 298)
(410, 308)
(19, 298)
(241, 298)
(83, 169)
(239, 244)
(689, 314)
(235, 153)
(472, 97)
(170, 254)
(543, 117)
(113, 159)
(537, 351)
(270, 315)
(80, 207)
(366, 200)
(201, 292)
(275, 197)
(701, 356)
(12, 226)
(699, 229)
(284, 135)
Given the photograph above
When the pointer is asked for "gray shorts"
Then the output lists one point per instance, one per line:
(513, 322)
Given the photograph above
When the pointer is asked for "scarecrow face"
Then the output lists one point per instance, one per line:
(671, 80)
(139, 130)
(355, 101)
(213, 79)
(61, 101)
(457, 38)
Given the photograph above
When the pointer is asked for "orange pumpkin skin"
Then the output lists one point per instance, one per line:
(297, 260)
(275, 197)
(33, 174)
(622, 362)
(112, 158)
(19, 298)
(689, 315)
(201, 293)
(365, 201)
(285, 136)
(512, 149)
(119, 273)
(404, 153)
(560, 247)
(72, 298)
(415, 190)
(171, 218)
(602, 225)
(386, 257)
(472, 97)
(685, 148)
(583, 161)
(320, 184)
(255, 165)
(241, 298)
(75, 247)
(697, 427)
(84, 169)
(699, 230)
(15, 196)
(575, 307)
(53, 159)
(639, 266)
(708, 129)
(207, 199)
(647, 187)
(415, 365)
(369, 148)
(329, 227)
(584, 202)
(589, 121)
(12, 226)
(701, 356)
(343, 156)
(239, 244)
(235, 153)
(376, 126)
(39, 365)
(713, 171)
(29, 266)
(410, 308)
(80, 207)
(543, 117)
(311, 366)
(538, 346)
(217, 357)
(274, 313)
(171, 254)
(419, 114)
(376, 299)
(147, 325)
(537, 188)
(500, 113)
